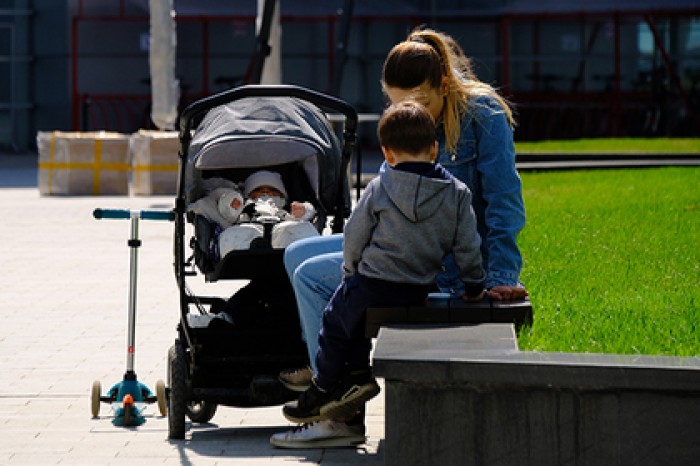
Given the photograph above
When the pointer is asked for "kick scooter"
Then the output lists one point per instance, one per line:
(129, 397)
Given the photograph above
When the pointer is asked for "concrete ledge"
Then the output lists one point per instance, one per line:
(465, 395)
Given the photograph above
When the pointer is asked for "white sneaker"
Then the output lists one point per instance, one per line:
(203, 320)
(321, 434)
(199, 320)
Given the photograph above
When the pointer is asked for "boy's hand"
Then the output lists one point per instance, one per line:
(297, 209)
(478, 297)
(507, 293)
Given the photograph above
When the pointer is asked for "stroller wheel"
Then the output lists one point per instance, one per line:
(201, 411)
(95, 398)
(160, 397)
(177, 401)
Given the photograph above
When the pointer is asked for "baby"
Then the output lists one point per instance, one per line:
(267, 196)
(244, 219)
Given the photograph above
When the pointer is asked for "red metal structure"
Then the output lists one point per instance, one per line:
(606, 68)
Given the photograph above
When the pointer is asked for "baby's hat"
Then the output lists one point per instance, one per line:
(264, 178)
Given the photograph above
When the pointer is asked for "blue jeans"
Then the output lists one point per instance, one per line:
(314, 269)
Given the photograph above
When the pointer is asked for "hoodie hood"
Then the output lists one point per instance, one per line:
(416, 197)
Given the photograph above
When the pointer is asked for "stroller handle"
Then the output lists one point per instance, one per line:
(195, 109)
(167, 215)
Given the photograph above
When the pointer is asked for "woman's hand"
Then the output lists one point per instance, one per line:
(507, 293)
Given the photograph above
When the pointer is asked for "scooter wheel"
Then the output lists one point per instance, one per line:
(95, 398)
(160, 397)
(128, 414)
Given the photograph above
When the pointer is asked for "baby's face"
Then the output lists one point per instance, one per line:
(263, 190)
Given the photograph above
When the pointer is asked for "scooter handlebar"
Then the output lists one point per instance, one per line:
(167, 215)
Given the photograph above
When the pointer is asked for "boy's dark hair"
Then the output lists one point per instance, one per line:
(407, 127)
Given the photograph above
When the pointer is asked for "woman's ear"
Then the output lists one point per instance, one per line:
(444, 86)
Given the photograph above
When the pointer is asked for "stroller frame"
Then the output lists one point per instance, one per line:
(189, 394)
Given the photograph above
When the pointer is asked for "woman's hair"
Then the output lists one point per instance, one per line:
(428, 56)
(407, 127)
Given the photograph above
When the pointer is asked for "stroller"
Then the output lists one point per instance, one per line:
(229, 136)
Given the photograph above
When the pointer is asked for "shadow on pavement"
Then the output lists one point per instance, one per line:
(209, 440)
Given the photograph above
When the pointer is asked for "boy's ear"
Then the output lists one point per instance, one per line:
(434, 152)
(389, 156)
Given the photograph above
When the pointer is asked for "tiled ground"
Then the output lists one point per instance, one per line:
(63, 305)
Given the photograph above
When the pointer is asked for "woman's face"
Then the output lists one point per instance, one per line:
(433, 99)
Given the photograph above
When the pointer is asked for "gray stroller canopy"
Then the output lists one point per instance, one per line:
(262, 132)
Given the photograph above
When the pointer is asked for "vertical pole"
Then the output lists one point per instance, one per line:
(342, 46)
(13, 98)
(505, 55)
(272, 68)
(75, 109)
(205, 58)
(134, 244)
(617, 56)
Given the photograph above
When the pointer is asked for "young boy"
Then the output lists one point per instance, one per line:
(406, 221)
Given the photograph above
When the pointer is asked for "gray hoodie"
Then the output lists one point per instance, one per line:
(405, 224)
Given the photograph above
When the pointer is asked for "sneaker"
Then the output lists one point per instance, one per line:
(205, 320)
(298, 380)
(321, 434)
(199, 320)
(307, 408)
(353, 391)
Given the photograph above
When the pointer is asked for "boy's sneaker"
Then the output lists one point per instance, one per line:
(321, 434)
(353, 390)
(306, 408)
(298, 380)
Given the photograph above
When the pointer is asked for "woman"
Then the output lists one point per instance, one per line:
(475, 137)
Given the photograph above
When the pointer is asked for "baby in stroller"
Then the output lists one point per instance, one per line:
(265, 205)
(259, 220)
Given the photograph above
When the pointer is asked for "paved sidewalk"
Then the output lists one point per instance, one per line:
(64, 316)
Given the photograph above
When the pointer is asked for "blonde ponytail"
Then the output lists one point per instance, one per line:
(463, 84)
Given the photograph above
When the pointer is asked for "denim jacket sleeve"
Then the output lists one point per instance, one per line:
(485, 161)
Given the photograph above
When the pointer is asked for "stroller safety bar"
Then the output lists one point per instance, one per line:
(167, 215)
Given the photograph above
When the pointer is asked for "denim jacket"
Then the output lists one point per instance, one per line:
(485, 160)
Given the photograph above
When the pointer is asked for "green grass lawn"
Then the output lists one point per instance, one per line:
(620, 146)
(612, 261)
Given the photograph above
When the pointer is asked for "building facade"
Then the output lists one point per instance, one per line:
(600, 68)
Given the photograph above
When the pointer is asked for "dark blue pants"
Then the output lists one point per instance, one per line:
(343, 346)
